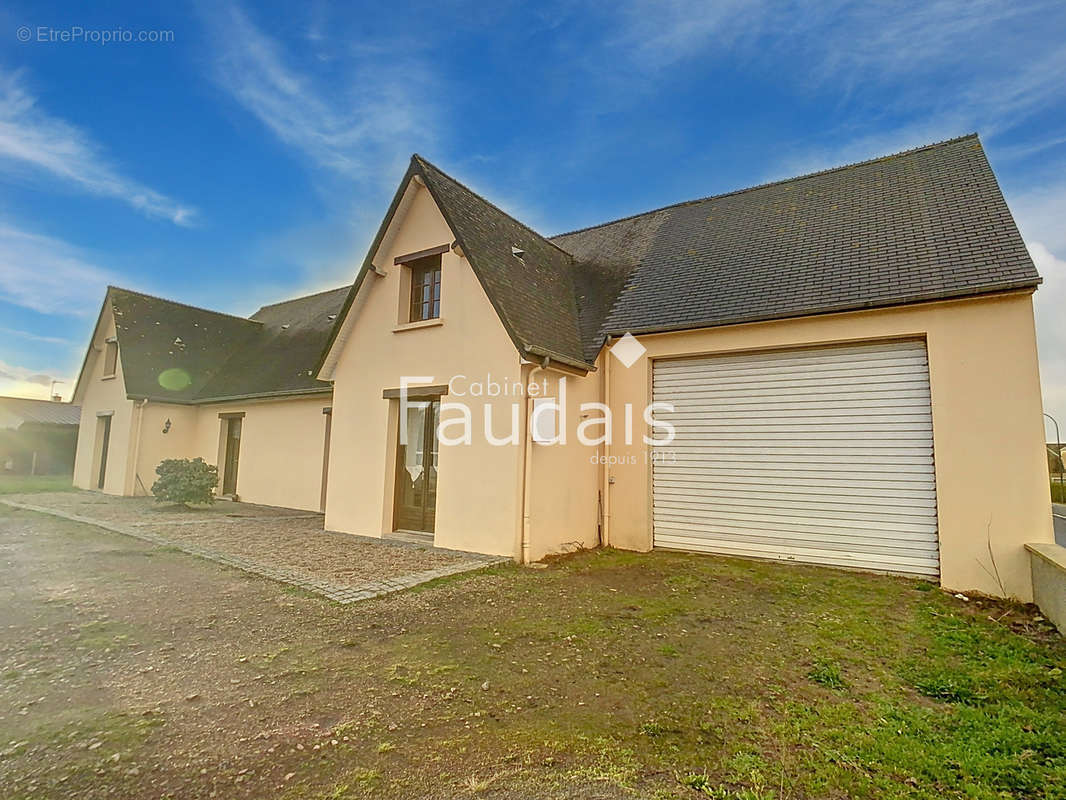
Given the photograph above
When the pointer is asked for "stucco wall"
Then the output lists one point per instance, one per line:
(987, 428)
(153, 446)
(479, 487)
(565, 478)
(99, 394)
(281, 449)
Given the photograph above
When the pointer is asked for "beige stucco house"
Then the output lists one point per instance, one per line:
(165, 380)
(794, 371)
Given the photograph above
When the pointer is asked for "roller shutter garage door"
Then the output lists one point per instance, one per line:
(821, 455)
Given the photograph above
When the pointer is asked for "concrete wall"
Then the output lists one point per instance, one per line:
(1048, 564)
(987, 427)
(97, 395)
(479, 486)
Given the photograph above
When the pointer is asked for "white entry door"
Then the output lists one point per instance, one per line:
(822, 455)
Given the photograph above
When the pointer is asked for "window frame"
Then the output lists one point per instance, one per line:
(424, 273)
(110, 365)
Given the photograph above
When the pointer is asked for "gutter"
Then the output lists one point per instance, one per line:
(527, 468)
(258, 395)
(560, 360)
(605, 530)
(137, 447)
(841, 308)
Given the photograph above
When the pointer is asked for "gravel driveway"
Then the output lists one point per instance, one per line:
(279, 543)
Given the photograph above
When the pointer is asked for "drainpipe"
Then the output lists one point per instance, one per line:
(606, 477)
(527, 465)
(137, 445)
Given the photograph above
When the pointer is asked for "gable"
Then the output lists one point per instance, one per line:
(534, 296)
(379, 344)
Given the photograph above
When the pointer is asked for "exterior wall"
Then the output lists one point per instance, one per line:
(992, 487)
(282, 441)
(1048, 564)
(152, 445)
(101, 394)
(281, 444)
(479, 486)
(565, 478)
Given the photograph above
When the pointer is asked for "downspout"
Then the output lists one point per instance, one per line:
(527, 466)
(606, 477)
(137, 446)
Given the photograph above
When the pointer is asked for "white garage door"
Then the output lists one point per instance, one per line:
(821, 455)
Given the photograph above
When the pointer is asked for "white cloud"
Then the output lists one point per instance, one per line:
(48, 275)
(34, 337)
(33, 140)
(18, 381)
(357, 125)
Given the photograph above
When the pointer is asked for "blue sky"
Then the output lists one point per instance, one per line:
(249, 158)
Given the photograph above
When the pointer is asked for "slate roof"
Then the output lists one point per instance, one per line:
(16, 411)
(281, 357)
(175, 353)
(534, 295)
(925, 224)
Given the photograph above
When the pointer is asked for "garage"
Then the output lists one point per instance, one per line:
(822, 455)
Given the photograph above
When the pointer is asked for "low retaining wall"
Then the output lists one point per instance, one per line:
(1048, 563)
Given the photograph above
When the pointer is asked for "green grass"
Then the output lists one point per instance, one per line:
(607, 675)
(19, 484)
(1058, 491)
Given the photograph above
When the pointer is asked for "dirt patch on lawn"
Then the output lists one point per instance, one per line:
(131, 671)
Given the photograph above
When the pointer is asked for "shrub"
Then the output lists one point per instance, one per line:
(1058, 492)
(184, 481)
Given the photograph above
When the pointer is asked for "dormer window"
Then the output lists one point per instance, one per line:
(110, 357)
(425, 288)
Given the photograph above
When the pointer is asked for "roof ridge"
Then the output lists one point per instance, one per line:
(345, 287)
(816, 173)
(490, 204)
(183, 305)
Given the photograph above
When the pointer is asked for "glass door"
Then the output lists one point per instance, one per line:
(416, 468)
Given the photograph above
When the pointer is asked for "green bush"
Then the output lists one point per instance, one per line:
(1058, 493)
(185, 481)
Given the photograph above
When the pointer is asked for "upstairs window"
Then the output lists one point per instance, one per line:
(425, 289)
(110, 358)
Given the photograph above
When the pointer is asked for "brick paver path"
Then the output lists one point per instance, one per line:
(362, 590)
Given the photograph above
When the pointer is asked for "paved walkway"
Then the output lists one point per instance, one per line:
(344, 594)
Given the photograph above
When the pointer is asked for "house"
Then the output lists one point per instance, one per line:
(793, 371)
(809, 360)
(166, 380)
(37, 437)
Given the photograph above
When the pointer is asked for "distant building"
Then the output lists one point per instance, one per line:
(37, 437)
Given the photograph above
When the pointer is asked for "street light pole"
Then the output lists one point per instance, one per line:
(1058, 446)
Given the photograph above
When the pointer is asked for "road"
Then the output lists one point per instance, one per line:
(1058, 511)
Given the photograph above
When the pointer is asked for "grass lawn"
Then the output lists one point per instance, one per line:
(135, 672)
(16, 484)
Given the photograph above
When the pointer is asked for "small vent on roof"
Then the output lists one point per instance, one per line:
(518, 252)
